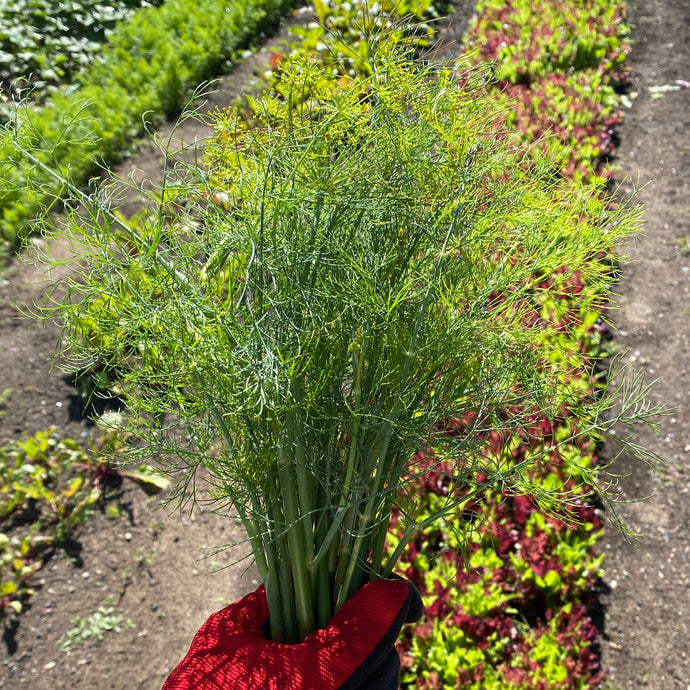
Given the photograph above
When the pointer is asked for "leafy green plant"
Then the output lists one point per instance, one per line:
(44, 43)
(4, 399)
(16, 567)
(683, 244)
(144, 558)
(48, 488)
(528, 41)
(367, 277)
(44, 496)
(95, 627)
(36, 481)
(114, 512)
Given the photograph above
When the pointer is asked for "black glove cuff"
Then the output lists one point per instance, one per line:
(381, 669)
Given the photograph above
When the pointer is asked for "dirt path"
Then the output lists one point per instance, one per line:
(148, 561)
(648, 604)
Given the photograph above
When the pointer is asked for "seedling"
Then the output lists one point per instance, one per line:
(95, 627)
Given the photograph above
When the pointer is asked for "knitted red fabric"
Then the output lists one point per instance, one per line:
(230, 652)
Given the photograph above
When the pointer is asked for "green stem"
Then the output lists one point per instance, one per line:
(450, 508)
(404, 541)
(287, 596)
(283, 596)
(344, 558)
(360, 349)
(254, 534)
(343, 576)
(326, 543)
(304, 483)
(382, 529)
(298, 558)
(358, 555)
(380, 534)
(272, 583)
(273, 594)
(324, 609)
(360, 567)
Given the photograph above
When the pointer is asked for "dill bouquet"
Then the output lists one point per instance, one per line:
(354, 266)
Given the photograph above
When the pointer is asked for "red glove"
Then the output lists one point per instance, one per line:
(355, 650)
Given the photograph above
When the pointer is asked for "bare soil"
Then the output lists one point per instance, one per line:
(647, 587)
(151, 560)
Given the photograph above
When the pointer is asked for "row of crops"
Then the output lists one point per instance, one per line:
(516, 610)
(44, 44)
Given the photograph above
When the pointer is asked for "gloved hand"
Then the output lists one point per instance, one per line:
(356, 651)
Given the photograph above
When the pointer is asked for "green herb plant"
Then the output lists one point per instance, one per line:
(307, 312)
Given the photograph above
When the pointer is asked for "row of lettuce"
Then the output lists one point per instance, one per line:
(507, 587)
(515, 607)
